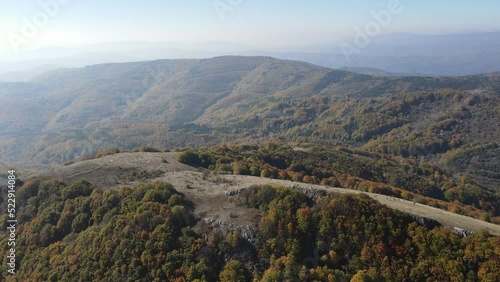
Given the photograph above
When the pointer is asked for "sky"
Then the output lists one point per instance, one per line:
(30, 24)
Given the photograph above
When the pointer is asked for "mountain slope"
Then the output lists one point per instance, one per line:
(70, 114)
(132, 225)
(208, 192)
(151, 232)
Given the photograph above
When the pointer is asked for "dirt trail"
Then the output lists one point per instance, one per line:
(208, 192)
(444, 217)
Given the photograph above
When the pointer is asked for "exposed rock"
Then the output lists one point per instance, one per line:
(426, 222)
(462, 232)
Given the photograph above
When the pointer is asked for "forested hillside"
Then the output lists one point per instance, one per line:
(71, 114)
(250, 141)
(457, 130)
(422, 142)
(339, 167)
(149, 233)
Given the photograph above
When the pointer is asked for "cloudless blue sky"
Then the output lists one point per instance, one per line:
(265, 23)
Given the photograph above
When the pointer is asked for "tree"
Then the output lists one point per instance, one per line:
(189, 158)
(81, 188)
(233, 271)
(265, 173)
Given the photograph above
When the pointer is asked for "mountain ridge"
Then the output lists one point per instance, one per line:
(70, 114)
(111, 172)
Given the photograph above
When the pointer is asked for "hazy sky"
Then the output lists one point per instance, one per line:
(261, 22)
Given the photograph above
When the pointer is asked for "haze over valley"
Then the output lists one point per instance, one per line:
(393, 54)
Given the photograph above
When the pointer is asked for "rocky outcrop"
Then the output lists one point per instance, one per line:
(247, 232)
(426, 222)
(462, 232)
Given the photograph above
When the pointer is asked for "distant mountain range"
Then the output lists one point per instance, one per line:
(402, 54)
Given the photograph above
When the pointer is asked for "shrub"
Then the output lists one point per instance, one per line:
(189, 158)
(146, 148)
(107, 152)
